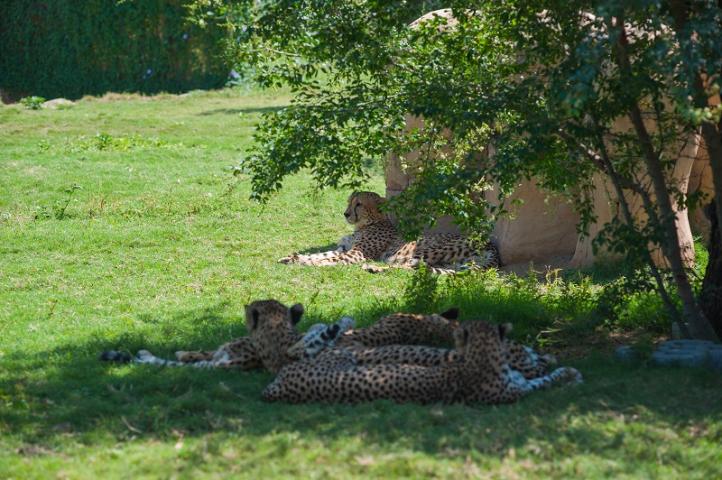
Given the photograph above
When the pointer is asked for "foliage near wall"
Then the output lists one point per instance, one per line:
(67, 48)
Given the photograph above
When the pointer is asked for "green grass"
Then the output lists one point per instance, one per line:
(122, 226)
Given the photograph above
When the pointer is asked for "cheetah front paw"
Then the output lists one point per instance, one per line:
(550, 359)
(289, 259)
(144, 356)
(567, 375)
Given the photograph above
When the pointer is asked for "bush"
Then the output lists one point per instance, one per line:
(32, 103)
(66, 48)
(421, 292)
(537, 309)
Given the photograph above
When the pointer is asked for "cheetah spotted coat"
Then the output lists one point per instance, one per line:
(375, 238)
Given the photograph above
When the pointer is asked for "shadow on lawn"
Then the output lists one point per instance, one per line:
(67, 391)
(236, 111)
(324, 248)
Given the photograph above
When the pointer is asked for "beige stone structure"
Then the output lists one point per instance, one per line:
(543, 230)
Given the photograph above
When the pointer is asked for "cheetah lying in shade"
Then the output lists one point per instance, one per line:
(375, 238)
(272, 331)
(475, 372)
(274, 341)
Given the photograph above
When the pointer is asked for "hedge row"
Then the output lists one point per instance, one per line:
(69, 48)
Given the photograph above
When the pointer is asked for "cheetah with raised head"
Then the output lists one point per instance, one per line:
(274, 341)
(476, 373)
(375, 238)
(271, 329)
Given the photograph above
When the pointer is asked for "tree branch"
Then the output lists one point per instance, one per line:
(699, 325)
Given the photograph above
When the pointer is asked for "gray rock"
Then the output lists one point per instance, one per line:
(685, 345)
(694, 358)
(715, 356)
(57, 103)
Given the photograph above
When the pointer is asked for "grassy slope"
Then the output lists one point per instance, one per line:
(160, 248)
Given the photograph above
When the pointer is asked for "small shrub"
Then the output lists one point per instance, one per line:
(420, 293)
(32, 103)
(59, 207)
(632, 302)
(105, 142)
(643, 310)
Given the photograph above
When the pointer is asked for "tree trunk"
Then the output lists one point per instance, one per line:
(711, 297)
(699, 326)
(713, 138)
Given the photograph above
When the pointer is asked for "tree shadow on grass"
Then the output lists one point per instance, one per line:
(237, 111)
(67, 391)
(324, 248)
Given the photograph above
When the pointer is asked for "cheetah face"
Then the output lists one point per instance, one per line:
(481, 343)
(272, 329)
(363, 208)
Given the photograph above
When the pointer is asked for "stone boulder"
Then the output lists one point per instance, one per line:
(58, 103)
(543, 229)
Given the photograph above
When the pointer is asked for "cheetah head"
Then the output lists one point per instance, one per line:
(272, 329)
(482, 344)
(363, 208)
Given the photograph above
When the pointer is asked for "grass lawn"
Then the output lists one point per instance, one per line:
(122, 226)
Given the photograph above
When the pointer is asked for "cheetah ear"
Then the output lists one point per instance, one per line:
(451, 314)
(504, 330)
(296, 312)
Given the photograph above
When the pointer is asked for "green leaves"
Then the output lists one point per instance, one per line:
(67, 49)
(507, 91)
(33, 102)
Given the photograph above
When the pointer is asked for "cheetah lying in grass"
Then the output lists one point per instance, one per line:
(375, 238)
(272, 331)
(274, 342)
(477, 371)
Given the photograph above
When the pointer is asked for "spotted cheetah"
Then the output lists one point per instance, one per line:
(375, 238)
(274, 341)
(477, 373)
(271, 332)
(407, 338)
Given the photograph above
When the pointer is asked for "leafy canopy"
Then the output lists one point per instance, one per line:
(537, 81)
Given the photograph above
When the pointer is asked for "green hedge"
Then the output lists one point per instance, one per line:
(70, 48)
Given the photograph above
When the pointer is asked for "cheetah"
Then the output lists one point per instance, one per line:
(272, 331)
(409, 338)
(375, 238)
(477, 373)
(274, 342)
(272, 328)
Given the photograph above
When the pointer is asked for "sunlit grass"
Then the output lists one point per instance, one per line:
(122, 226)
